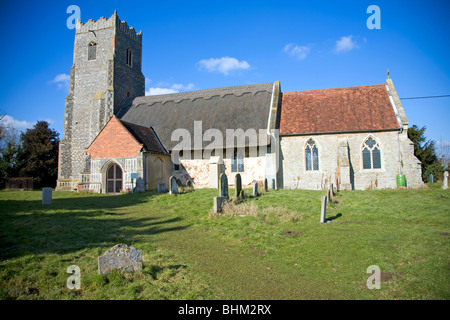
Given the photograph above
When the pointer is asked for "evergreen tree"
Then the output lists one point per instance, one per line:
(425, 151)
(39, 155)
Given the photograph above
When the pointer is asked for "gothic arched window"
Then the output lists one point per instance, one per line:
(311, 155)
(371, 154)
(92, 51)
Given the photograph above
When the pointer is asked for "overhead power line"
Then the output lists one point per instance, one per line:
(427, 97)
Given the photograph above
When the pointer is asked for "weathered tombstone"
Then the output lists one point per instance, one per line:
(173, 185)
(223, 185)
(162, 188)
(274, 185)
(46, 195)
(238, 185)
(333, 191)
(120, 257)
(329, 195)
(445, 184)
(323, 211)
(431, 178)
(265, 185)
(255, 189)
(189, 185)
(218, 204)
(139, 185)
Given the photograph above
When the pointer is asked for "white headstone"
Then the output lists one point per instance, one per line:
(323, 210)
(445, 185)
(218, 203)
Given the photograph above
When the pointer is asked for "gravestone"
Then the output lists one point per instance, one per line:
(255, 189)
(445, 184)
(218, 204)
(238, 185)
(274, 185)
(431, 178)
(333, 191)
(329, 196)
(323, 210)
(265, 185)
(223, 185)
(120, 257)
(46, 195)
(162, 188)
(173, 185)
(189, 185)
(139, 185)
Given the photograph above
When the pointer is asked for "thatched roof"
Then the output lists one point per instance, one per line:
(241, 107)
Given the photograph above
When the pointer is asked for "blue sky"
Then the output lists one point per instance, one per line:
(192, 45)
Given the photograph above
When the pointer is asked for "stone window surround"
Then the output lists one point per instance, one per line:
(304, 156)
(361, 148)
(92, 46)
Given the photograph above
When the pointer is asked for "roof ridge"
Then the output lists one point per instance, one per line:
(338, 88)
(205, 93)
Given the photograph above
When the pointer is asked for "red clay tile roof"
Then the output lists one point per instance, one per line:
(364, 108)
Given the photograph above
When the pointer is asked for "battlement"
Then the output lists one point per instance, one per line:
(103, 23)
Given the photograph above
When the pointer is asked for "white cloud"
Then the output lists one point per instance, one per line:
(296, 51)
(20, 125)
(345, 44)
(223, 65)
(174, 88)
(62, 80)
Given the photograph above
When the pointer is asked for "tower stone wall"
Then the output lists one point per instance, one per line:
(99, 87)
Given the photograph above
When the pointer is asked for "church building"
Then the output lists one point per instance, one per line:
(116, 138)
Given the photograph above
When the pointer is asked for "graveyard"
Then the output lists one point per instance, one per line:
(271, 244)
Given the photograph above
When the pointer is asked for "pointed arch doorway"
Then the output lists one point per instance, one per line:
(114, 179)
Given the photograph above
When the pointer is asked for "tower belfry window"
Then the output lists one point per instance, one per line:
(129, 57)
(92, 51)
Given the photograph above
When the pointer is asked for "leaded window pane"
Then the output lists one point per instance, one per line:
(370, 143)
(308, 158)
(315, 158)
(241, 163)
(234, 163)
(367, 162)
(376, 158)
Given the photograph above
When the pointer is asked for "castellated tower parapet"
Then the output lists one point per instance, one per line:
(105, 77)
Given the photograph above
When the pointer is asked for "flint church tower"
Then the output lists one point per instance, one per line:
(105, 77)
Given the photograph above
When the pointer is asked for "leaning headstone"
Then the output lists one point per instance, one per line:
(223, 185)
(218, 204)
(333, 191)
(255, 189)
(431, 178)
(173, 185)
(162, 188)
(120, 257)
(265, 185)
(46, 195)
(329, 195)
(238, 185)
(323, 210)
(445, 184)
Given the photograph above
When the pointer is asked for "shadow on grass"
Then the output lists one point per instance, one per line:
(334, 217)
(76, 223)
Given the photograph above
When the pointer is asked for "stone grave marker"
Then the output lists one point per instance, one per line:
(265, 185)
(218, 204)
(255, 189)
(445, 184)
(431, 178)
(223, 185)
(120, 257)
(323, 210)
(238, 185)
(46, 195)
(173, 185)
(139, 185)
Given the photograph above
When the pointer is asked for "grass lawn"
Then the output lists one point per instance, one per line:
(269, 247)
